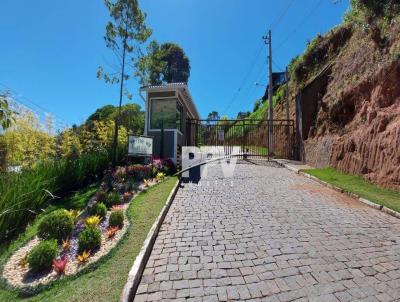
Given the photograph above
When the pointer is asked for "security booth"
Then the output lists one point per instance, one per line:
(167, 108)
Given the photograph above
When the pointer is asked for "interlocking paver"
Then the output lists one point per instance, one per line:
(268, 234)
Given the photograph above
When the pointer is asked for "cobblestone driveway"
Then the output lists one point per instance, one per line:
(272, 236)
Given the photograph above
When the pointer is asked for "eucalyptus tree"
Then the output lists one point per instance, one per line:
(126, 32)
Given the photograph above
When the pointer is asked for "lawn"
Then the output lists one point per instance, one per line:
(355, 184)
(106, 282)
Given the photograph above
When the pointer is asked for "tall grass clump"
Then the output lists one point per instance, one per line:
(24, 195)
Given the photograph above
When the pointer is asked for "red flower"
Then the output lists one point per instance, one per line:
(60, 265)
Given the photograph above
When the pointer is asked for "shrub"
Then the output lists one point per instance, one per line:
(160, 176)
(89, 239)
(41, 256)
(56, 225)
(101, 196)
(165, 165)
(127, 197)
(98, 209)
(113, 198)
(116, 219)
(30, 188)
(92, 221)
(74, 214)
(376, 8)
(139, 172)
(120, 173)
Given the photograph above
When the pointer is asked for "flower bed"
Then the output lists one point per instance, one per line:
(69, 241)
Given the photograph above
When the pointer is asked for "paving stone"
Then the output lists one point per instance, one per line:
(271, 235)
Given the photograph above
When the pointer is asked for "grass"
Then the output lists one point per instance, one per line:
(355, 184)
(24, 195)
(107, 281)
(77, 200)
(260, 150)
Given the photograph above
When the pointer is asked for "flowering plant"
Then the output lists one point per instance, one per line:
(60, 265)
(164, 165)
(139, 172)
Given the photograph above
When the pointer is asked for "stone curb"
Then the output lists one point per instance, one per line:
(355, 196)
(136, 271)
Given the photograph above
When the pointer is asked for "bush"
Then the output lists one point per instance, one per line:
(56, 225)
(29, 189)
(164, 165)
(98, 209)
(116, 219)
(89, 239)
(139, 172)
(41, 256)
(113, 198)
(101, 196)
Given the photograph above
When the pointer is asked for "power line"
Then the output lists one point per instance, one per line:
(280, 17)
(275, 22)
(258, 53)
(300, 25)
(19, 95)
(276, 65)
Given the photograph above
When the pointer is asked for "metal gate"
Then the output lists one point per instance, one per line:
(254, 138)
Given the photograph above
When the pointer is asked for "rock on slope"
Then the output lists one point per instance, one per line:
(356, 127)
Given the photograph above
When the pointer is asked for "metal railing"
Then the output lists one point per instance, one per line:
(250, 135)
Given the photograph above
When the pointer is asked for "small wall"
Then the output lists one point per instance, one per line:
(307, 106)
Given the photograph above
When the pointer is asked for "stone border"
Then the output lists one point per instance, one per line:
(136, 271)
(367, 202)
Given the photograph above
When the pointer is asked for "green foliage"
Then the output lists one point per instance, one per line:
(92, 221)
(23, 195)
(319, 52)
(376, 8)
(41, 256)
(113, 198)
(56, 225)
(89, 239)
(125, 33)
(93, 285)
(132, 118)
(165, 63)
(355, 184)
(257, 105)
(116, 219)
(98, 209)
(6, 114)
(28, 140)
(101, 196)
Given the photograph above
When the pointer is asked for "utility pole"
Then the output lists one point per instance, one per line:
(268, 41)
(287, 110)
(287, 93)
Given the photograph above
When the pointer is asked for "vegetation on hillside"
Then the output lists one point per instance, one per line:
(371, 16)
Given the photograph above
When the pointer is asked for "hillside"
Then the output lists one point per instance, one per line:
(347, 84)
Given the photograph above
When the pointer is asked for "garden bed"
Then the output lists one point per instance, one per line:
(117, 191)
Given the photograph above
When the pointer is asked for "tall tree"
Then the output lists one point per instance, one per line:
(125, 34)
(165, 63)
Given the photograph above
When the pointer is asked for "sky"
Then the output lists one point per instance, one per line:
(51, 50)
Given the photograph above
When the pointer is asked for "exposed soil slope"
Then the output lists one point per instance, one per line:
(356, 124)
